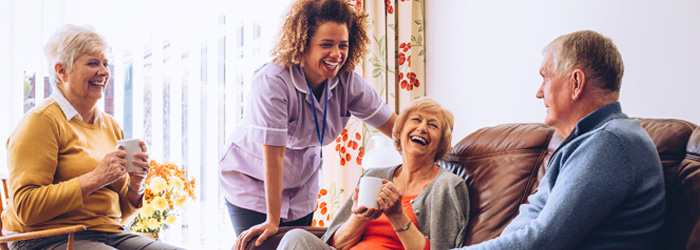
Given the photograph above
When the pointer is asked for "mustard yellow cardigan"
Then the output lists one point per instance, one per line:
(46, 154)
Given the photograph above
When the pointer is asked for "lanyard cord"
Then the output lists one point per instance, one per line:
(322, 133)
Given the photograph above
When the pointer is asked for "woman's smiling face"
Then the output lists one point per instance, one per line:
(422, 133)
(326, 52)
(88, 77)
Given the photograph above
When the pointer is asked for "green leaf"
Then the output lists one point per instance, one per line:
(373, 60)
(382, 46)
(421, 53)
(392, 26)
(419, 22)
(332, 191)
(377, 72)
(413, 38)
(420, 29)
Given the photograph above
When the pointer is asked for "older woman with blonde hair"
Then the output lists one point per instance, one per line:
(299, 102)
(421, 206)
(64, 169)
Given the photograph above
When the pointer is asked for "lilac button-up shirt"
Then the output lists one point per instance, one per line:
(279, 113)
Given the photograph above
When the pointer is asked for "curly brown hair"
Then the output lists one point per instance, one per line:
(303, 19)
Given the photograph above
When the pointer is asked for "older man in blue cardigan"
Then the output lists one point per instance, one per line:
(604, 187)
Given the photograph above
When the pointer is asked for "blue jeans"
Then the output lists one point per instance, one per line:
(242, 218)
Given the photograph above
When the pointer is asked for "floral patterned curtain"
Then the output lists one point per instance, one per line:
(395, 66)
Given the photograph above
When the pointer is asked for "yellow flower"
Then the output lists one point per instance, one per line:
(153, 223)
(159, 203)
(146, 210)
(167, 188)
(157, 185)
(177, 184)
(170, 220)
(140, 226)
(180, 200)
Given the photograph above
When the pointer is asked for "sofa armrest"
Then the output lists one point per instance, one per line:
(273, 241)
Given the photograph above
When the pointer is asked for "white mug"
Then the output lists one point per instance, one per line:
(369, 192)
(130, 146)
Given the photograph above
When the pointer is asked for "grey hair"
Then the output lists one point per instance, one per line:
(67, 43)
(593, 53)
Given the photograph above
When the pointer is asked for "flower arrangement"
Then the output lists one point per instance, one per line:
(167, 189)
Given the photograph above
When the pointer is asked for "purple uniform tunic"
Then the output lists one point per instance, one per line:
(279, 113)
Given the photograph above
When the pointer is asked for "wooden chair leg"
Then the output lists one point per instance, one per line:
(70, 241)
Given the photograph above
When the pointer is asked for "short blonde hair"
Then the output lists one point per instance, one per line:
(430, 105)
(67, 43)
(303, 19)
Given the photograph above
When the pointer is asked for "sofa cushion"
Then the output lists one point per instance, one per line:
(682, 197)
(503, 165)
(500, 166)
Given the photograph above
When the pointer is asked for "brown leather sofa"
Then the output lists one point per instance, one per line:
(504, 164)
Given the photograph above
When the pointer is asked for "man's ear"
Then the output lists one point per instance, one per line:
(61, 71)
(578, 82)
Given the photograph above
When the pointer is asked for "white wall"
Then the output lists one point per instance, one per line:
(483, 57)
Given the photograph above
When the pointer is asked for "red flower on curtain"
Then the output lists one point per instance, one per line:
(409, 82)
(345, 143)
(328, 201)
(408, 79)
(389, 8)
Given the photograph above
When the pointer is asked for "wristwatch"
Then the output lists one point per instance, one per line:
(404, 227)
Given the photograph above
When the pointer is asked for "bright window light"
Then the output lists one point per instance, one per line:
(181, 71)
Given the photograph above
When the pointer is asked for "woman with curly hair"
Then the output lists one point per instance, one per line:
(298, 102)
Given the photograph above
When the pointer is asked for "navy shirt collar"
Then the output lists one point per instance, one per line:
(597, 118)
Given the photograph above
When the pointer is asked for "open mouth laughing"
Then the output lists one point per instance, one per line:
(96, 83)
(331, 66)
(419, 140)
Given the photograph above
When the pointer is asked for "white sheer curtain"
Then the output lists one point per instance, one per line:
(181, 71)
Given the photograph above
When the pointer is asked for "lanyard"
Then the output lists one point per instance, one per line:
(320, 134)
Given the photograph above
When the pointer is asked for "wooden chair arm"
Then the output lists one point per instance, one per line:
(42, 233)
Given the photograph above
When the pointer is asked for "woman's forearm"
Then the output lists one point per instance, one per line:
(88, 183)
(134, 197)
(388, 126)
(274, 161)
(411, 238)
(349, 233)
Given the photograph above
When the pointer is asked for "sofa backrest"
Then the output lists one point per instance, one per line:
(500, 165)
(682, 176)
(503, 165)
